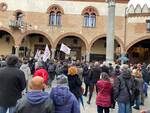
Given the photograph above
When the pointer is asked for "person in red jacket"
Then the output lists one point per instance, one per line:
(103, 99)
(40, 71)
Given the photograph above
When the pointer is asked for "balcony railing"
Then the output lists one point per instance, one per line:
(17, 24)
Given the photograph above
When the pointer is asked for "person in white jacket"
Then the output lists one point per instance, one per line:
(26, 69)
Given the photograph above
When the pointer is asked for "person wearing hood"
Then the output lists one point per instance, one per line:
(64, 100)
(26, 69)
(122, 85)
(36, 101)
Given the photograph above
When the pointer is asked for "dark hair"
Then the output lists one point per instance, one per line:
(12, 60)
(104, 76)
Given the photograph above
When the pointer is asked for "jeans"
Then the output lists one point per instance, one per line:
(100, 109)
(124, 108)
(4, 109)
(138, 101)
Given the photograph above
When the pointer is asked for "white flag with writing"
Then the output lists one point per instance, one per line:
(65, 49)
(37, 55)
(46, 54)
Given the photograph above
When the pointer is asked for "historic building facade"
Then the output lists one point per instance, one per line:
(80, 24)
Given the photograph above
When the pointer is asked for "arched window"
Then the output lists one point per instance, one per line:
(19, 16)
(90, 20)
(90, 14)
(55, 15)
(55, 19)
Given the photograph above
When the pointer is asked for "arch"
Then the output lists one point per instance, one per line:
(90, 10)
(37, 32)
(72, 34)
(136, 41)
(18, 11)
(104, 35)
(55, 8)
(8, 31)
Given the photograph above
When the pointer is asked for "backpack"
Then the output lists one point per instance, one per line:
(51, 68)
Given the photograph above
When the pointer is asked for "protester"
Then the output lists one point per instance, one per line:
(51, 71)
(103, 99)
(64, 100)
(94, 76)
(123, 86)
(40, 71)
(36, 101)
(26, 69)
(11, 86)
(74, 82)
(86, 70)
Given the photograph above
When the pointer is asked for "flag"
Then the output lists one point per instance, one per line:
(46, 54)
(37, 55)
(65, 49)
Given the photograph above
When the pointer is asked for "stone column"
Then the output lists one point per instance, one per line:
(87, 56)
(53, 53)
(110, 31)
(17, 51)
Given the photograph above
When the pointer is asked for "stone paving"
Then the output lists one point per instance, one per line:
(92, 107)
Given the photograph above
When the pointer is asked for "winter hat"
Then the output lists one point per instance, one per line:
(62, 80)
(124, 67)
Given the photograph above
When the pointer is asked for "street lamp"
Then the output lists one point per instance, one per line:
(110, 31)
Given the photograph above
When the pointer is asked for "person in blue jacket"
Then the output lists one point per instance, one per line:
(64, 101)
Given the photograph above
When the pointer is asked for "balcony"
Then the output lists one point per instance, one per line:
(17, 24)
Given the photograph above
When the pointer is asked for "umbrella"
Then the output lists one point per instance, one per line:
(123, 58)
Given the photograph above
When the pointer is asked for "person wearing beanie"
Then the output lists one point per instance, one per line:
(11, 86)
(74, 82)
(36, 101)
(64, 101)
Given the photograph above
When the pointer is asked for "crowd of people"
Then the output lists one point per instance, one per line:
(24, 83)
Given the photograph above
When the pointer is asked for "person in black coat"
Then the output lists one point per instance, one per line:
(74, 82)
(94, 76)
(12, 84)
